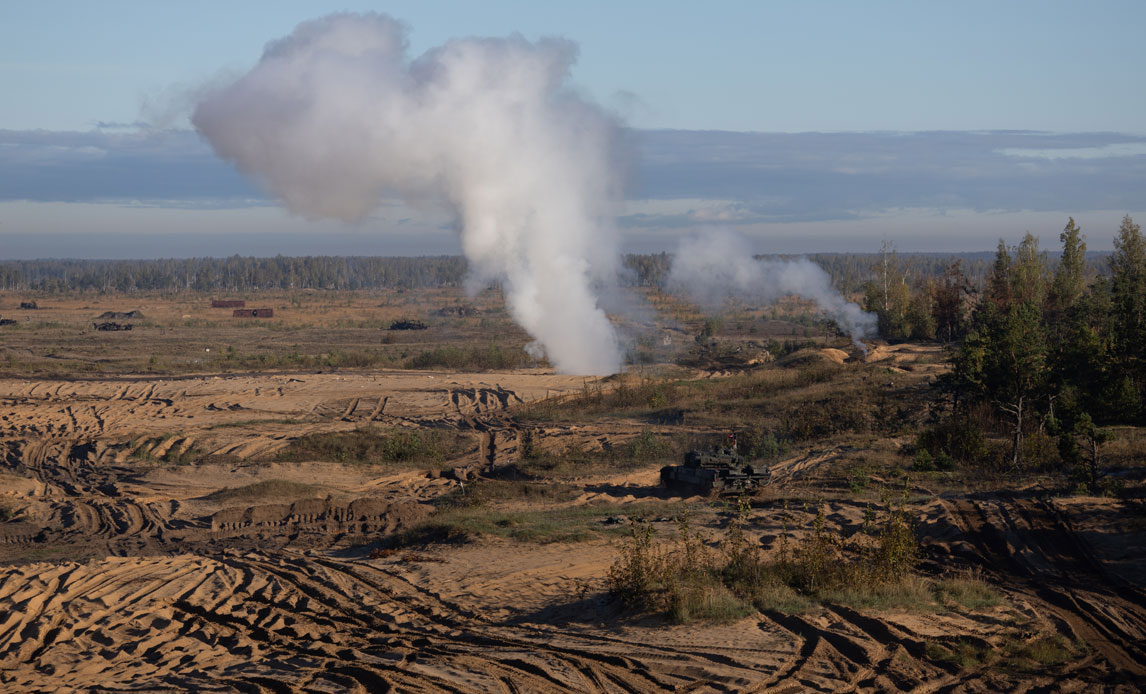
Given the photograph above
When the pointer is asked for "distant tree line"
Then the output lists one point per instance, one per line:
(849, 272)
(233, 274)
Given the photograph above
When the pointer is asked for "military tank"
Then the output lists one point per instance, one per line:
(722, 470)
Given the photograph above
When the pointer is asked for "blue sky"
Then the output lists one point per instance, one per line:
(863, 72)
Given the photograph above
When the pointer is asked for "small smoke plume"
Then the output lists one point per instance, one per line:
(336, 116)
(718, 265)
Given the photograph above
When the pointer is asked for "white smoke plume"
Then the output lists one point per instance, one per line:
(717, 265)
(336, 116)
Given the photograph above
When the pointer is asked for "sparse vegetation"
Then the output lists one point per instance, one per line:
(461, 519)
(771, 408)
(490, 357)
(266, 489)
(1043, 651)
(253, 423)
(694, 578)
(573, 461)
(967, 591)
(374, 446)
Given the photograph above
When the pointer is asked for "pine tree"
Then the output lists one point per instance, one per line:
(1029, 272)
(1070, 275)
(1128, 296)
(947, 303)
(1000, 291)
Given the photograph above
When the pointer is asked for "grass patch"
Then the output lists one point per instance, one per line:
(1042, 652)
(231, 359)
(251, 423)
(627, 396)
(644, 449)
(799, 403)
(1038, 654)
(969, 592)
(267, 489)
(694, 599)
(490, 357)
(965, 653)
(777, 596)
(485, 492)
(908, 592)
(374, 446)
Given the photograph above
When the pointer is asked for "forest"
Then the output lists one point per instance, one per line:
(1045, 355)
(849, 271)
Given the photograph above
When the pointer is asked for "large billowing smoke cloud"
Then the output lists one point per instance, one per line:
(718, 265)
(336, 116)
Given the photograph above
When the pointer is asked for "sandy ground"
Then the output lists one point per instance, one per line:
(118, 576)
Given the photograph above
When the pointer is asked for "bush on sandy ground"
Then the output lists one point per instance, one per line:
(690, 579)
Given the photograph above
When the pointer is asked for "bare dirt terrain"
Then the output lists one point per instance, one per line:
(160, 535)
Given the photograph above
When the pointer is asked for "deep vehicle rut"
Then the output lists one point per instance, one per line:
(292, 623)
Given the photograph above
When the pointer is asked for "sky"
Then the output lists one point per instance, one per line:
(810, 126)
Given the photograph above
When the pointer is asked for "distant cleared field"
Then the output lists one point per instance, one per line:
(182, 333)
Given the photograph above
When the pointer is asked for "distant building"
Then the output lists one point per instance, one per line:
(253, 313)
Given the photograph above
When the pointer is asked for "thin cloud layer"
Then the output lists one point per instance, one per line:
(96, 166)
(725, 177)
(735, 178)
(777, 177)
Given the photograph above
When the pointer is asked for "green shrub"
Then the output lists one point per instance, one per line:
(923, 461)
(642, 571)
(646, 446)
(760, 444)
(958, 438)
